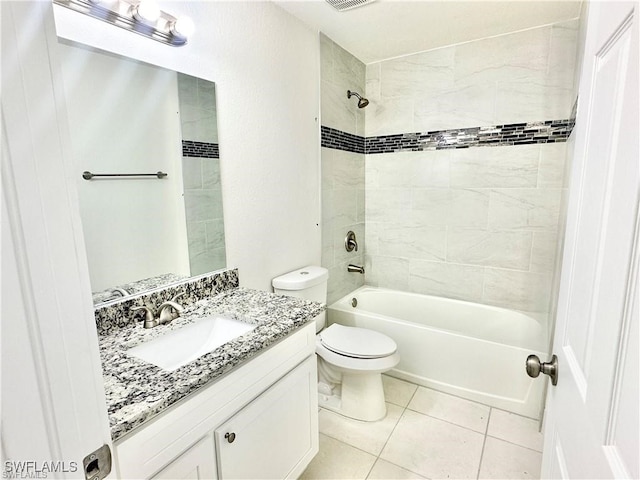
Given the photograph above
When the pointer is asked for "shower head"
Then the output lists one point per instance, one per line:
(362, 102)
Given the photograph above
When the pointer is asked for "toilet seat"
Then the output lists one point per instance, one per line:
(347, 364)
(357, 342)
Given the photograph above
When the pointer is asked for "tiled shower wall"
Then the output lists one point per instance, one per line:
(342, 171)
(201, 174)
(477, 223)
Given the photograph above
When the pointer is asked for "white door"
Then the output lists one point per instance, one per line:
(53, 403)
(591, 426)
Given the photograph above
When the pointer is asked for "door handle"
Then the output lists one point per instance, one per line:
(534, 367)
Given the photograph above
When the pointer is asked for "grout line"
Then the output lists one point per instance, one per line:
(513, 443)
(404, 409)
(447, 421)
(484, 442)
(348, 444)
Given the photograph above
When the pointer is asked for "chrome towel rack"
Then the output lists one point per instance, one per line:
(88, 175)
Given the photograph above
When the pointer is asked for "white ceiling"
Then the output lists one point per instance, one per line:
(390, 28)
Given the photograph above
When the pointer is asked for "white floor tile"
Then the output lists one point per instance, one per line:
(433, 448)
(505, 460)
(397, 391)
(451, 409)
(515, 429)
(367, 436)
(337, 460)
(384, 470)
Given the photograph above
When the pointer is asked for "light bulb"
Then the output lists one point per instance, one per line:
(147, 12)
(110, 4)
(183, 28)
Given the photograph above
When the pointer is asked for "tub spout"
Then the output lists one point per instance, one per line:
(355, 269)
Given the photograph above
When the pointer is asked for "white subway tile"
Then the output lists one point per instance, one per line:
(453, 207)
(389, 170)
(521, 55)
(526, 100)
(388, 205)
(336, 110)
(508, 166)
(430, 169)
(529, 208)
(413, 240)
(506, 249)
(446, 279)
(460, 106)
(389, 116)
(552, 165)
(562, 54)
(347, 169)
(543, 251)
(426, 73)
(526, 291)
(387, 272)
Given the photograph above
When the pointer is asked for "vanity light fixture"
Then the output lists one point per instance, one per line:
(143, 17)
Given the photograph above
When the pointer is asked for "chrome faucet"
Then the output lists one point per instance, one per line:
(355, 269)
(170, 310)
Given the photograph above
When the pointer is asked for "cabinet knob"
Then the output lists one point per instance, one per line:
(230, 437)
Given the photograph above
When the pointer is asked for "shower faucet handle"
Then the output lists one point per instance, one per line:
(350, 242)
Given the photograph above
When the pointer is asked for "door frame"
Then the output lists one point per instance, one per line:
(47, 308)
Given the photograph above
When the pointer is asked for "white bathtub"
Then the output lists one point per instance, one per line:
(467, 349)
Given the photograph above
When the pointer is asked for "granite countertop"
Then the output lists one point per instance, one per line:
(137, 391)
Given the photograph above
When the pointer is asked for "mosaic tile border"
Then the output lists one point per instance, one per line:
(549, 131)
(117, 314)
(200, 149)
(338, 140)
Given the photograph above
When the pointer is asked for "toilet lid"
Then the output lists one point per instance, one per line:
(357, 342)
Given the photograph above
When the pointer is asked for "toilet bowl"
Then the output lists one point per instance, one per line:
(350, 359)
(350, 363)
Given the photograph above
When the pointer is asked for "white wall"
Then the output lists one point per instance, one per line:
(266, 67)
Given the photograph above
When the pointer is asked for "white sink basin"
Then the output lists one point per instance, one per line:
(179, 347)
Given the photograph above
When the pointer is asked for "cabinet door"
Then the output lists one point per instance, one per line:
(276, 435)
(197, 463)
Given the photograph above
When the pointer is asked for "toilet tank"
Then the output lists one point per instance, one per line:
(308, 282)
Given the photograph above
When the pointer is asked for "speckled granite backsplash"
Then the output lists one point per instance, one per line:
(117, 314)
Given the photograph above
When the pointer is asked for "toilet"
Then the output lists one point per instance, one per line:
(350, 359)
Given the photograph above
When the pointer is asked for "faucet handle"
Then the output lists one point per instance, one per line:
(165, 315)
(149, 317)
(350, 242)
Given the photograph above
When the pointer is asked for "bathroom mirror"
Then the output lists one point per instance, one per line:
(127, 117)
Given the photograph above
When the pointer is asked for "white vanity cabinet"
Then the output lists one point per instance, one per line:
(197, 463)
(273, 436)
(259, 421)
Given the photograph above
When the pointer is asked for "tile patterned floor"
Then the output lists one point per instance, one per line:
(427, 434)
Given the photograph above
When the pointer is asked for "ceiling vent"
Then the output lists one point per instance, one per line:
(342, 5)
